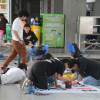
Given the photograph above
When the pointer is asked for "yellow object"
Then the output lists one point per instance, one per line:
(68, 75)
(37, 31)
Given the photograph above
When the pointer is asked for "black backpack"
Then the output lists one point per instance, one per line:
(76, 54)
(39, 51)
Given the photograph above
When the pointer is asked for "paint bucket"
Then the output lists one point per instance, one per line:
(68, 84)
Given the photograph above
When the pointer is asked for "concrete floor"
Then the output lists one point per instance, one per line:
(11, 92)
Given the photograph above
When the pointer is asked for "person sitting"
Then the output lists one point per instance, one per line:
(29, 36)
(3, 23)
(29, 39)
(13, 75)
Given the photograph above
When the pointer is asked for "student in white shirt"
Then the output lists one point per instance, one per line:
(18, 45)
(13, 75)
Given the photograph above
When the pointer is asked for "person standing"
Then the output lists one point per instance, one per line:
(18, 45)
(3, 22)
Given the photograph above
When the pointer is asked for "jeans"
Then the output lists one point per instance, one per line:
(91, 81)
(28, 56)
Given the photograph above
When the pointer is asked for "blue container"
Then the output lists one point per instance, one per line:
(31, 89)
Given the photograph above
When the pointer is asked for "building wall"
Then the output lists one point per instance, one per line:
(72, 9)
(97, 8)
(32, 6)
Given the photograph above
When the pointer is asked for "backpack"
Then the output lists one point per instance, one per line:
(76, 47)
(77, 52)
(40, 51)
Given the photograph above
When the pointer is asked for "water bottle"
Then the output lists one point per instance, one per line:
(48, 85)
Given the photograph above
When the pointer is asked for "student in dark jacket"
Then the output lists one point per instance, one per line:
(43, 69)
(3, 22)
(85, 67)
(29, 36)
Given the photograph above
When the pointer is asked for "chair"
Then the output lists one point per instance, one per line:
(30, 54)
(72, 48)
(44, 47)
(2, 56)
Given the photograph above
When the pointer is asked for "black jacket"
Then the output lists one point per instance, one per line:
(88, 67)
(33, 38)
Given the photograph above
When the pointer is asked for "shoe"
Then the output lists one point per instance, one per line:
(2, 69)
(24, 83)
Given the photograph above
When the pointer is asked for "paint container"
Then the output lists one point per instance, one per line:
(68, 84)
(31, 89)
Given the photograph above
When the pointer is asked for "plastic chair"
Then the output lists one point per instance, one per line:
(71, 48)
(45, 47)
(2, 56)
(30, 54)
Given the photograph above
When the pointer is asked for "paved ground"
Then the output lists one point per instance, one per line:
(11, 92)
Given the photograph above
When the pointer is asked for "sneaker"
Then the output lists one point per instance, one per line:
(2, 69)
(24, 83)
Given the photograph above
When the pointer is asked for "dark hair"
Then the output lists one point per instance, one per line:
(76, 55)
(23, 13)
(27, 25)
(47, 56)
(65, 60)
(1, 14)
(22, 66)
(72, 62)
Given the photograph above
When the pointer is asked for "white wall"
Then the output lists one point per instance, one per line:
(90, 1)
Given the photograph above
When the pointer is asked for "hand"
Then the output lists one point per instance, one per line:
(58, 86)
(30, 42)
(29, 37)
(31, 83)
(21, 42)
(79, 83)
(67, 79)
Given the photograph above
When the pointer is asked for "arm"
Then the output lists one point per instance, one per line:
(65, 79)
(56, 85)
(34, 39)
(25, 40)
(79, 78)
(17, 36)
(69, 72)
(55, 76)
